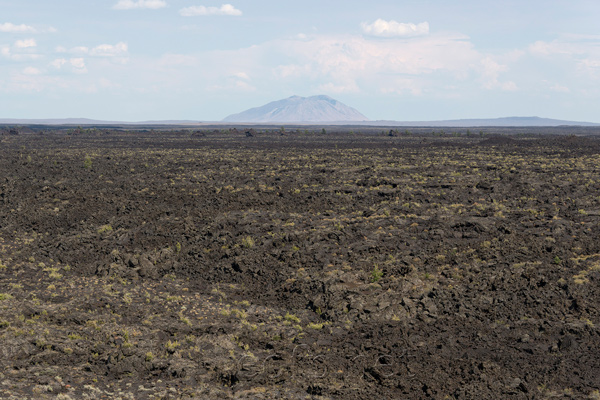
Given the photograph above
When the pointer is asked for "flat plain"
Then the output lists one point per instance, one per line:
(298, 264)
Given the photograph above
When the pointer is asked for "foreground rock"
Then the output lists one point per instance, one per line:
(215, 265)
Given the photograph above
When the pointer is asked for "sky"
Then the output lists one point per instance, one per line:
(409, 60)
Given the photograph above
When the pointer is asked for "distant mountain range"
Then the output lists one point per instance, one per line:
(486, 122)
(300, 109)
(87, 121)
(314, 110)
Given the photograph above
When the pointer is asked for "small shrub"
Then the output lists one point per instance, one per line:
(556, 260)
(54, 274)
(87, 162)
(248, 242)
(171, 346)
(185, 319)
(376, 274)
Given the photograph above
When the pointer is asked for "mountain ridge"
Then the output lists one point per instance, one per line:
(487, 122)
(453, 123)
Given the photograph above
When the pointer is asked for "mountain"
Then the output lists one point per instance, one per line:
(300, 109)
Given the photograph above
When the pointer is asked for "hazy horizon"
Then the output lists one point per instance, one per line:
(141, 60)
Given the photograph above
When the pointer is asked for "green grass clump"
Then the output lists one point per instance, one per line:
(105, 228)
(5, 296)
(248, 242)
(291, 318)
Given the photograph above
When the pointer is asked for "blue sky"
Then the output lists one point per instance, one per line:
(136, 60)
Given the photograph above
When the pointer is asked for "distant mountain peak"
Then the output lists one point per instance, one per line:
(320, 108)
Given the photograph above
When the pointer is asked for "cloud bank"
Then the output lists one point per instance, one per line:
(383, 28)
(195, 11)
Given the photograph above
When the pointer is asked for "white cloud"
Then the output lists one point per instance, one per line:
(292, 70)
(392, 28)
(108, 50)
(235, 82)
(546, 48)
(568, 45)
(579, 52)
(356, 57)
(8, 27)
(31, 71)
(225, 9)
(241, 75)
(490, 74)
(423, 65)
(358, 64)
(103, 50)
(58, 63)
(20, 55)
(130, 4)
(80, 49)
(12, 28)
(78, 65)
(23, 44)
(590, 66)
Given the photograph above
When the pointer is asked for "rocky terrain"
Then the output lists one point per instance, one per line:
(233, 264)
